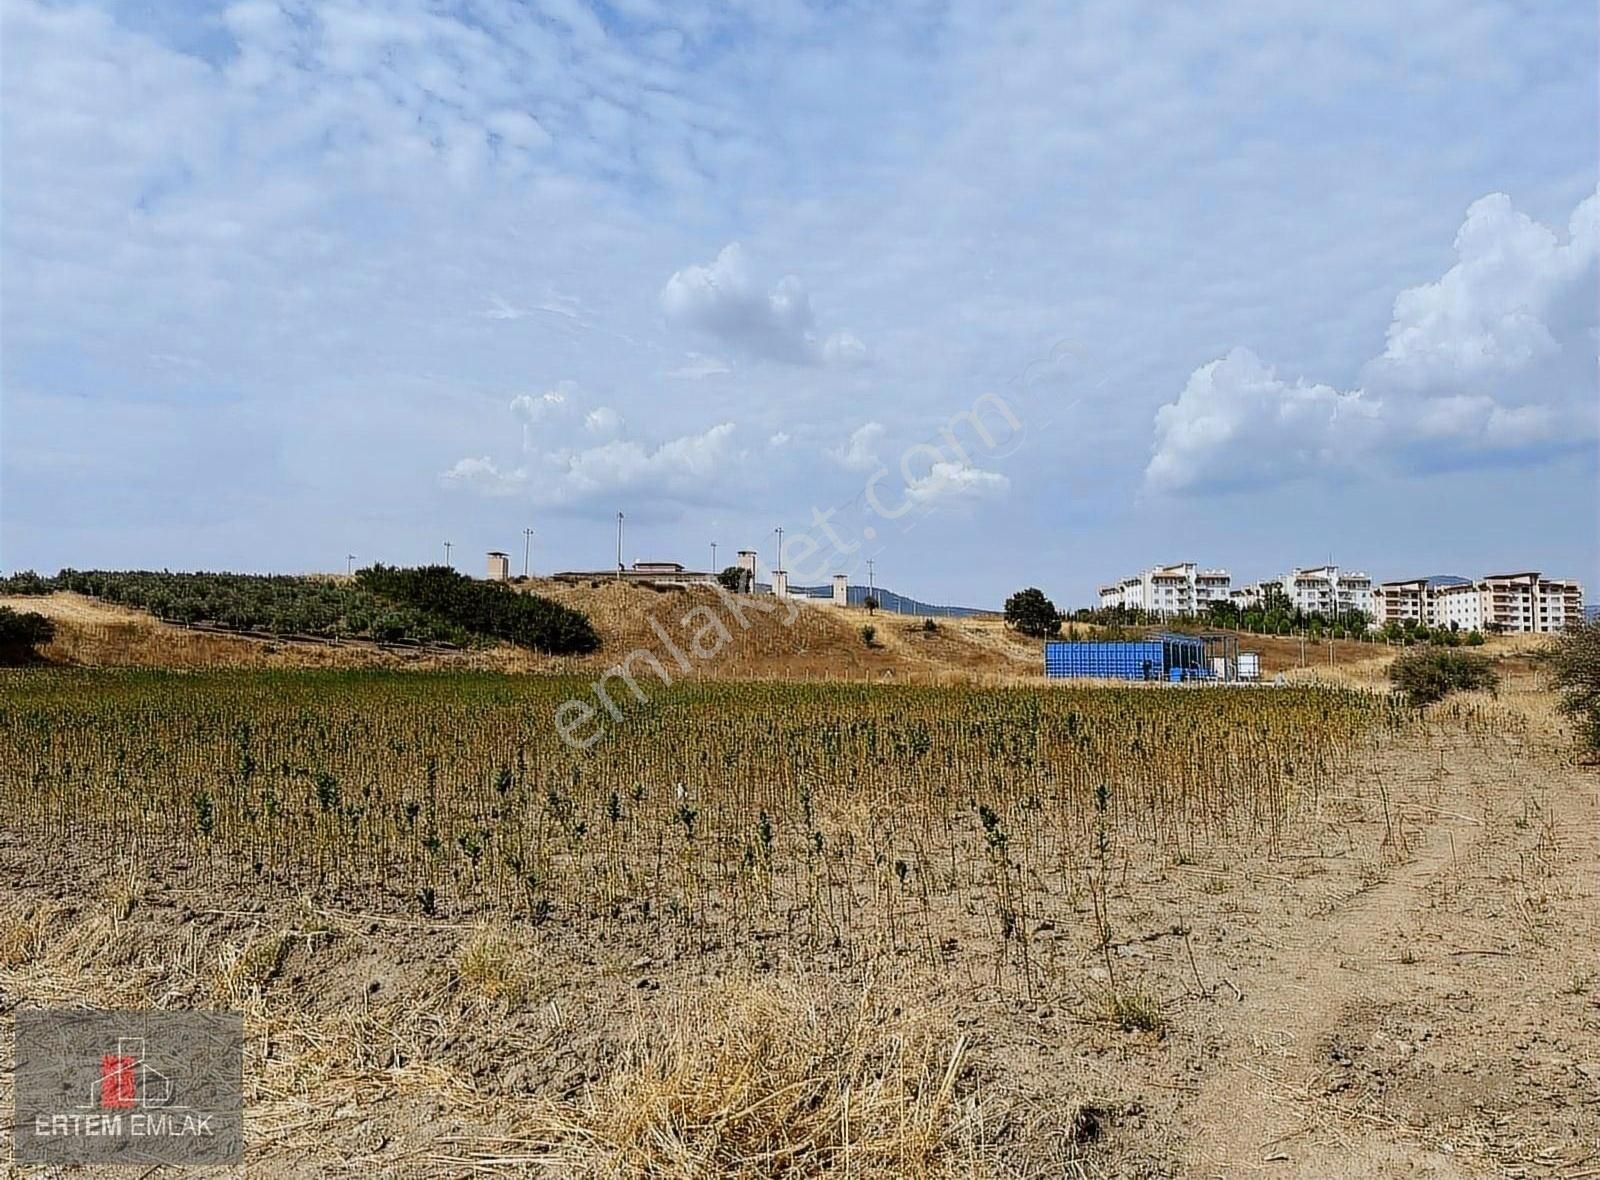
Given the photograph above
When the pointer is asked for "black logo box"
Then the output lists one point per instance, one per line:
(128, 1088)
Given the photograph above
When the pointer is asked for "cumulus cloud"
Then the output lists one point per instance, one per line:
(672, 468)
(483, 475)
(603, 421)
(574, 453)
(1238, 424)
(860, 451)
(952, 481)
(1495, 361)
(532, 407)
(723, 300)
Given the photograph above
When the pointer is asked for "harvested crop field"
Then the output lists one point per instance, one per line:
(811, 930)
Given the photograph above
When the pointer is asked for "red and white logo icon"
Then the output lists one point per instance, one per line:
(127, 1080)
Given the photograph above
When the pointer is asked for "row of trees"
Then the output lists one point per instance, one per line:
(433, 604)
(484, 608)
(1030, 612)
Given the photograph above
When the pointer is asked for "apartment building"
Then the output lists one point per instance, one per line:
(1324, 590)
(1181, 589)
(1524, 602)
(1327, 590)
(1395, 602)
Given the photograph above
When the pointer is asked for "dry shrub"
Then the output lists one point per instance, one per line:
(494, 964)
(773, 1079)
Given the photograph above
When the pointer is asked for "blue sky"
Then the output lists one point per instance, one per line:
(1257, 285)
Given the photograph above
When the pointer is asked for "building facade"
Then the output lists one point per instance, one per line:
(1329, 591)
(1181, 589)
(1518, 603)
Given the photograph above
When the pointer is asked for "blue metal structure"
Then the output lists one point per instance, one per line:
(1164, 656)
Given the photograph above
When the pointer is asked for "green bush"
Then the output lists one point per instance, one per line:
(1433, 673)
(869, 635)
(1574, 661)
(484, 608)
(21, 633)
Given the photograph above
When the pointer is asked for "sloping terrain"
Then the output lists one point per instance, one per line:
(758, 639)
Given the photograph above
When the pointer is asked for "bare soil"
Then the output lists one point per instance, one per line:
(1405, 986)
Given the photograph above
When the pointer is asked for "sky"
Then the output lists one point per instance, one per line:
(989, 294)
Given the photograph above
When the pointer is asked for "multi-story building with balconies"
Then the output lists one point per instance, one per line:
(1181, 589)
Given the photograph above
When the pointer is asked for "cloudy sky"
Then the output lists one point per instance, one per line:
(1248, 284)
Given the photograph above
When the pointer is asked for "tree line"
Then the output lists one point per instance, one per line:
(433, 604)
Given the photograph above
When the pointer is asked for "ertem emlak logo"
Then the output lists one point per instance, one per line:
(128, 1087)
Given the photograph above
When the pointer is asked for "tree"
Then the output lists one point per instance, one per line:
(871, 604)
(735, 580)
(1030, 612)
(21, 633)
(1433, 673)
(1574, 662)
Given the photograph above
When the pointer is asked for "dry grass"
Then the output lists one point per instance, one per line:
(770, 1079)
(495, 962)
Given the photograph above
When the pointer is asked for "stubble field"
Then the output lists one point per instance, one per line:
(824, 929)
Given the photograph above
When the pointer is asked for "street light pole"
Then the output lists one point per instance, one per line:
(713, 559)
(527, 544)
(447, 554)
(619, 545)
(349, 564)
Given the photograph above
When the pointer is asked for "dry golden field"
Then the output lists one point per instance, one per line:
(825, 928)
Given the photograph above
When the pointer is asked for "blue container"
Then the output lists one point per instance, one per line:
(1163, 657)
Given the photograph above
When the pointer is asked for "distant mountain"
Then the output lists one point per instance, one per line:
(1592, 611)
(1448, 580)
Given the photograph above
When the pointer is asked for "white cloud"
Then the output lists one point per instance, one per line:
(952, 482)
(603, 421)
(860, 451)
(697, 366)
(1491, 314)
(483, 475)
(534, 408)
(1238, 424)
(678, 467)
(1495, 360)
(576, 456)
(722, 300)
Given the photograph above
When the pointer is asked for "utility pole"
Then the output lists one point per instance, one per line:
(527, 544)
(349, 564)
(779, 565)
(447, 554)
(713, 559)
(619, 545)
(872, 591)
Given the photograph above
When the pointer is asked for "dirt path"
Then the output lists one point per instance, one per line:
(1442, 1021)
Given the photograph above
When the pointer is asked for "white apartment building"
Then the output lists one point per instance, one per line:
(1324, 589)
(1181, 589)
(1327, 590)
(1520, 603)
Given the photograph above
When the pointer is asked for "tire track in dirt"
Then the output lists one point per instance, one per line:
(1248, 1116)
